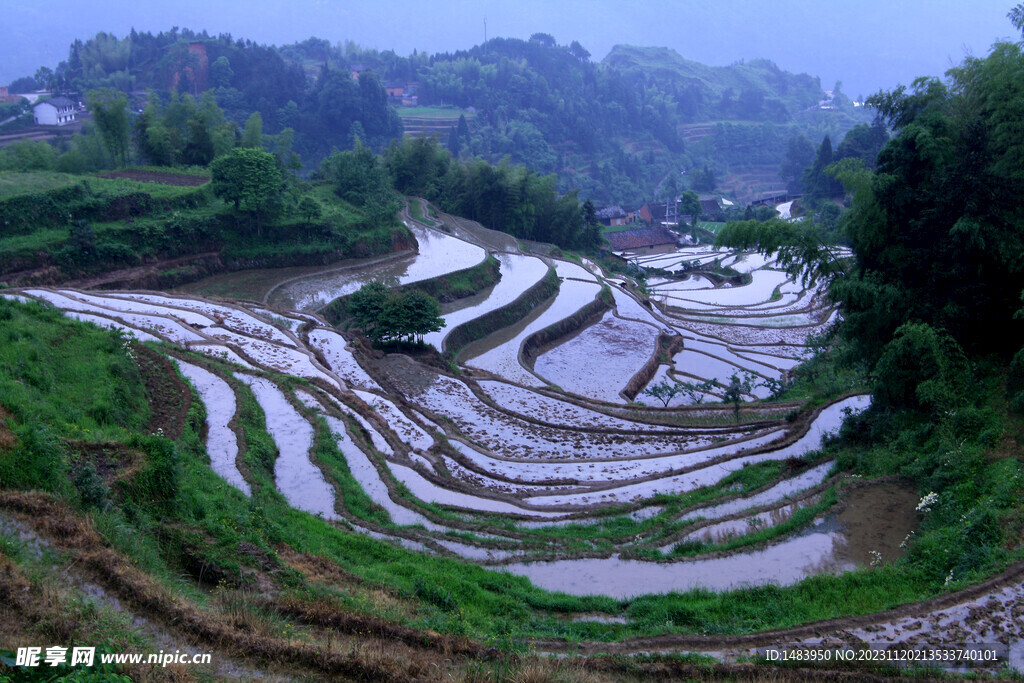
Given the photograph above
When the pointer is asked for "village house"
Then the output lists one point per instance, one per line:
(659, 213)
(615, 215)
(652, 240)
(394, 90)
(6, 96)
(56, 111)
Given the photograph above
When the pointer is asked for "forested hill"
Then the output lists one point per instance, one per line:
(755, 90)
(617, 129)
(622, 129)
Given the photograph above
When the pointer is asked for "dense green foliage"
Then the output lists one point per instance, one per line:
(360, 179)
(611, 130)
(509, 198)
(182, 130)
(937, 229)
(248, 178)
(930, 301)
(86, 225)
(386, 316)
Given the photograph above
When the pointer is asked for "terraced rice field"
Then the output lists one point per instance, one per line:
(542, 470)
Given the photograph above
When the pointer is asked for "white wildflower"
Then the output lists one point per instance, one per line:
(927, 502)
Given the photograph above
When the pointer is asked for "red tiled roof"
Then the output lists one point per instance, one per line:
(639, 238)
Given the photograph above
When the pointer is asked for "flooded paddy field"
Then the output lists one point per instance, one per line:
(546, 470)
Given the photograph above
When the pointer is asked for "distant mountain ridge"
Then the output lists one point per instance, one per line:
(758, 86)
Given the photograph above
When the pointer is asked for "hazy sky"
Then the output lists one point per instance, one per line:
(867, 44)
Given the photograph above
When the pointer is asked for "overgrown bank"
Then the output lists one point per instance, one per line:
(56, 227)
(489, 323)
(541, 340)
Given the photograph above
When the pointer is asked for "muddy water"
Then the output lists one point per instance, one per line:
(503, 359)
(299, 480)
(784, 563)
(438, 254)
(221, 444)
(518, 273)
(618, 347)
(877, 518)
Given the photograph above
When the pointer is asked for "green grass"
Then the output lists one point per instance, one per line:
(48, 370)
(14, 183)
(416, 211)
(433, 112)
(711, 226)
(52, 394)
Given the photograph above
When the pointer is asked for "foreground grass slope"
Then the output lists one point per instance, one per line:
(113, 482)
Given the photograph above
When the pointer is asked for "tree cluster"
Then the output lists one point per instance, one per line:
(509, 198)
(388, 316)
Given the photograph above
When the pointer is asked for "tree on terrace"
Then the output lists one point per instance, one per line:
(249, 179)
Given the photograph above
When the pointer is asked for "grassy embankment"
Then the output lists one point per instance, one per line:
(66, 226)
(170, 513)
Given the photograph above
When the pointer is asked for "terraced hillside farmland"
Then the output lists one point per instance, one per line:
(529, 453)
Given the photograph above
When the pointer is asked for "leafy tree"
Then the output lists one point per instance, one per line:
(25, 84)
(545, 39)
(464, 135)
(410, 316)
(453, 141)
(28, 155)
(249, 179)
(690, 205)
(664, 391)
(45, 78)
(578, 51)
(802, 248)
(252, 136)
(309, 209)
(734, 395)
(921, 369)
(864, 142)
(221, 73)
(818, 183)
(936, 228)
(386, 316)
(360, 179)
(110, 112)
(366, 304)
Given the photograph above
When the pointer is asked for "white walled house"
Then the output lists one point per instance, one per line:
(56, 111)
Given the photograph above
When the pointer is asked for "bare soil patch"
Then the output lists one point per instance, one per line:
(169, 398)
(7, 439)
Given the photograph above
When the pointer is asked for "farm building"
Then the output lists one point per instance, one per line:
(56, 111)
(653, 240)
